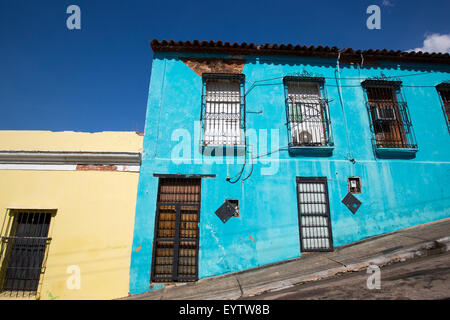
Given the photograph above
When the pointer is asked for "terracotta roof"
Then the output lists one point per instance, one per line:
(296, 50)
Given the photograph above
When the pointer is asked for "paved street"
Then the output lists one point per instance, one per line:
(415, 278)
(420, 278)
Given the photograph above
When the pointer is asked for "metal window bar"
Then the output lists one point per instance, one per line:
(175, 252)
(444, 92)
(314, 214)
(308, 120)
(223, 109)
(390, 120)
(24, 251)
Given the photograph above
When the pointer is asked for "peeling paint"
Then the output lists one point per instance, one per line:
(96, 167)
(214, 65)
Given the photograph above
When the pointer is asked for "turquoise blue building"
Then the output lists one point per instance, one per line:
(256, 154)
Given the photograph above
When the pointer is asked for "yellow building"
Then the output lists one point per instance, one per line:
(67, 202)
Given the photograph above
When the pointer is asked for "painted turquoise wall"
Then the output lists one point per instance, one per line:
(397, 193)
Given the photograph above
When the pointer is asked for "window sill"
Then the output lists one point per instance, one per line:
(390, 153)
(223, 150)
(325, 151)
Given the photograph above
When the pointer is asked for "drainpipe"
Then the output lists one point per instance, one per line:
(349, 154)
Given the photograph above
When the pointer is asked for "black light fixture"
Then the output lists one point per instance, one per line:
(229, 209)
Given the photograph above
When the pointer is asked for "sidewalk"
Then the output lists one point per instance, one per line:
(381, 250)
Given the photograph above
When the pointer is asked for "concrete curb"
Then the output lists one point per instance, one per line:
(235, 286)
(441, 245)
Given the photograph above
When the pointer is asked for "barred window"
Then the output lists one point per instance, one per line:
(223, 118)
(389, 115)
(444, 92)
(23, 250)
(307, 112)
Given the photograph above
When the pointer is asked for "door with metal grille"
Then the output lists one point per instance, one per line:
(314, 214)
(25, 249)
(175, 246)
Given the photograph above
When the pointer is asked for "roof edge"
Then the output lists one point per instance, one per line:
(296, 50)
(67, 157)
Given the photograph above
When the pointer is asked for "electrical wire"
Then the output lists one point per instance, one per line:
(339, 86)
(242, 170)
(270, 152)
(251, 170)
(254, 84)
(359, 85)
(343, 78)
(403, 85)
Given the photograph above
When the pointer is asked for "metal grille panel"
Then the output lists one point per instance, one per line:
(175, 254)
(390, 119)
(223, 117)
(445, 96)
(179, 190)
(314, 215)
(307, 113)
(23, 251)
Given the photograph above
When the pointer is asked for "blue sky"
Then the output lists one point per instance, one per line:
(96, 78)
